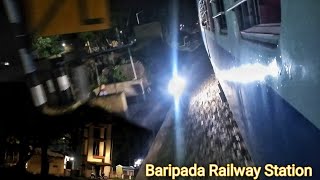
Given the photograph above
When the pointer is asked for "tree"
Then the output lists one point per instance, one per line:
(93, 40)
(87, 36)
(114, 75)
(47, 46)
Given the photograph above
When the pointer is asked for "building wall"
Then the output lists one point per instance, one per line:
(124, 172)
(108, 158)
(104, 157)
(108, 151)
(107, 170)
(69, 16)
(115, 103)
(130, 88)
(56, 165)
(34, 164)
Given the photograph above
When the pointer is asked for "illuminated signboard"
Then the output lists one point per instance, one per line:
(53, 17)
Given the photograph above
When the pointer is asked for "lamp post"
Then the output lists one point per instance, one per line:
(132, 64)
(137, 16)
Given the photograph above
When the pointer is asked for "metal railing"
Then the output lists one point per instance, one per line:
(219, 14)
(236, 4)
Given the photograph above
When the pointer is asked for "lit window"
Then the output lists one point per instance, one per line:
(105, 133)
(96, 133)
(96, 148)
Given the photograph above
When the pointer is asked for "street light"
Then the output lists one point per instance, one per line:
(132, 64)
(138, 162)
(137, 16)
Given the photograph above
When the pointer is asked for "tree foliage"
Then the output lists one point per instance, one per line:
(114, 75)
(117, 74)
(47, 46)
(96, 39)
(87, 36)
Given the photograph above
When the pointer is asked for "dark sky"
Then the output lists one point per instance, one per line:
(187, 8)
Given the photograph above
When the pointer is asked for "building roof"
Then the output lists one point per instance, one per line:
(126, 167)
(50, 153)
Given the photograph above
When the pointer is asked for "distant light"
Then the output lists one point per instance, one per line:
(181, 27)
(6, 63)
(138, 162)
(250, 72)
(63, 44)
(120, 32)
(71, 158)
(176, 86)
(63, 138)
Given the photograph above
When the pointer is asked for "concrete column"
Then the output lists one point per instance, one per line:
(81, 82)
(63, 86)
(51, 91)
(15, 19)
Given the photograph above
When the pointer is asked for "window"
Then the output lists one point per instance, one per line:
(85, 147)
(270, 11)
(96, 133)
(85, 132)
(96, 148)
(258, 16)
(68, 165)
(105, 133)
(220, 16)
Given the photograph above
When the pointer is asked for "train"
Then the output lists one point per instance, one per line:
(265, 54)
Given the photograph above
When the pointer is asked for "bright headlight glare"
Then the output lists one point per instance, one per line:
(250, 72)
(176, 86)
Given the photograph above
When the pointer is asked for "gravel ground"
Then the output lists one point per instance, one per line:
(213, 133)
(208, 134)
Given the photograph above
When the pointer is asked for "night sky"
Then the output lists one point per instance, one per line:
(158, 9)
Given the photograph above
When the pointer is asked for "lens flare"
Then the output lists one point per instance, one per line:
(176, 86)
